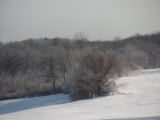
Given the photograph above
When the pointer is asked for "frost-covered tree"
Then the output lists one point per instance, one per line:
(93, 74)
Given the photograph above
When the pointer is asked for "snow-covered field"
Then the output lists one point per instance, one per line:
(138, 100)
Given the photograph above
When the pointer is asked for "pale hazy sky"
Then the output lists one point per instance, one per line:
(99, 19)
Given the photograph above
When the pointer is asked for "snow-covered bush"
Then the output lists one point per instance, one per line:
(93, 74)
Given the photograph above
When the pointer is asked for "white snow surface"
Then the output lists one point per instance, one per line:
(139, 99)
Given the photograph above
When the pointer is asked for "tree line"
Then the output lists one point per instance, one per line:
(79, 67)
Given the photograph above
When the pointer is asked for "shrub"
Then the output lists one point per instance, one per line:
(93, 75)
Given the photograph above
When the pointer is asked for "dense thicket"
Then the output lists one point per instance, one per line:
(44, 66)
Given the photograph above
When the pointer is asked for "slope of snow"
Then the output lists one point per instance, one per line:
(139, 99)
(9, 106)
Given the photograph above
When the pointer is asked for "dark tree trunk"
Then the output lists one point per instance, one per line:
(54, 86)
(99, 90)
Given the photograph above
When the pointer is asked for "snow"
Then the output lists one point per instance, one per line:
(10, 106)
(137, 100)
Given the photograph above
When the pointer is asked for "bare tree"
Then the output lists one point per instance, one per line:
(94, 74)
(10, 62)
(64, 62)
(81, 38)
(49, 69)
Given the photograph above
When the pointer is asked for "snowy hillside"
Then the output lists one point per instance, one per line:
(138, 100)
